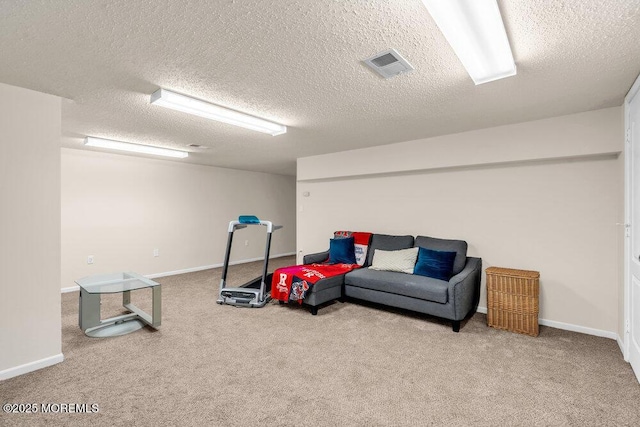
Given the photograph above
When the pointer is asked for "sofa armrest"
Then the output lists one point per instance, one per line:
(315, 258)
(464, 288)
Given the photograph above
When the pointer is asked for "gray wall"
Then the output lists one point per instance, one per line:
(545, 195)
(120, 208)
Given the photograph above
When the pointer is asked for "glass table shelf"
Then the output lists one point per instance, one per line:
(115, 283)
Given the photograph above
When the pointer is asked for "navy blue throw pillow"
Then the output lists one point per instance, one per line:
(342, 251)
(436, 264)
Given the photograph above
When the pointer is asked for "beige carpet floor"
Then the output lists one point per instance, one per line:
(352, 364)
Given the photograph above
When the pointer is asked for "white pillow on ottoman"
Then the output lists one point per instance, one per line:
(402, 261)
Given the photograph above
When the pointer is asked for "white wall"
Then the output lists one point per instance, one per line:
(544, 195)
(30, 336)
(120, 208)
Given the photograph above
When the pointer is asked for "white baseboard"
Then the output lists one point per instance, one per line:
(191, 270)
(31, 366)
(621, 345)
(207, 267)
(570, 327)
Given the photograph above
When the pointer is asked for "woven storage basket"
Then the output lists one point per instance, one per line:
(513, 300)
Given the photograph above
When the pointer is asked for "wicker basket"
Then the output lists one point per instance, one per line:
(512, 300)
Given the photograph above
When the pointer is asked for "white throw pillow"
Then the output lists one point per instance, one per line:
(403, 260)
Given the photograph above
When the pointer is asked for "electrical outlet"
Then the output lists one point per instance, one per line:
(156, 252)
(246, 243)
(90, 259)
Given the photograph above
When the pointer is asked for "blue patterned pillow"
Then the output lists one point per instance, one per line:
(341, 251)
(436, 264)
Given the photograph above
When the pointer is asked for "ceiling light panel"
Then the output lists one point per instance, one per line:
(475, 31)
(133, 148)
(197, 107)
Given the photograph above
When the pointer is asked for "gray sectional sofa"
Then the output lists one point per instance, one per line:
(452, 300)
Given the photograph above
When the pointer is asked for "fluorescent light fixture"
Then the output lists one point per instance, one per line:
(135, 148)
(197, 107)
(475, 31)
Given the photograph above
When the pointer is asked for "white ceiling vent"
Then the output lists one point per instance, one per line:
(388, 63)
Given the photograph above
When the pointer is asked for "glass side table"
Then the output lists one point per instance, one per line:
(91, 288)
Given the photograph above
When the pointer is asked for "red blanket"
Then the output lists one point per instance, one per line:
(293, 283)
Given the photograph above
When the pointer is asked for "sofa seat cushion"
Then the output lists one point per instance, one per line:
(328, 282)
(421, 287)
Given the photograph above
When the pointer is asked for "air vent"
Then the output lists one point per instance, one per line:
(388, 63)
(203, 147)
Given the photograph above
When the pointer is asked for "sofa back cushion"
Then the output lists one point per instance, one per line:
(457, 246)
(387, 243)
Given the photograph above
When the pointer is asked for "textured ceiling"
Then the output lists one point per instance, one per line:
(298, 63)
